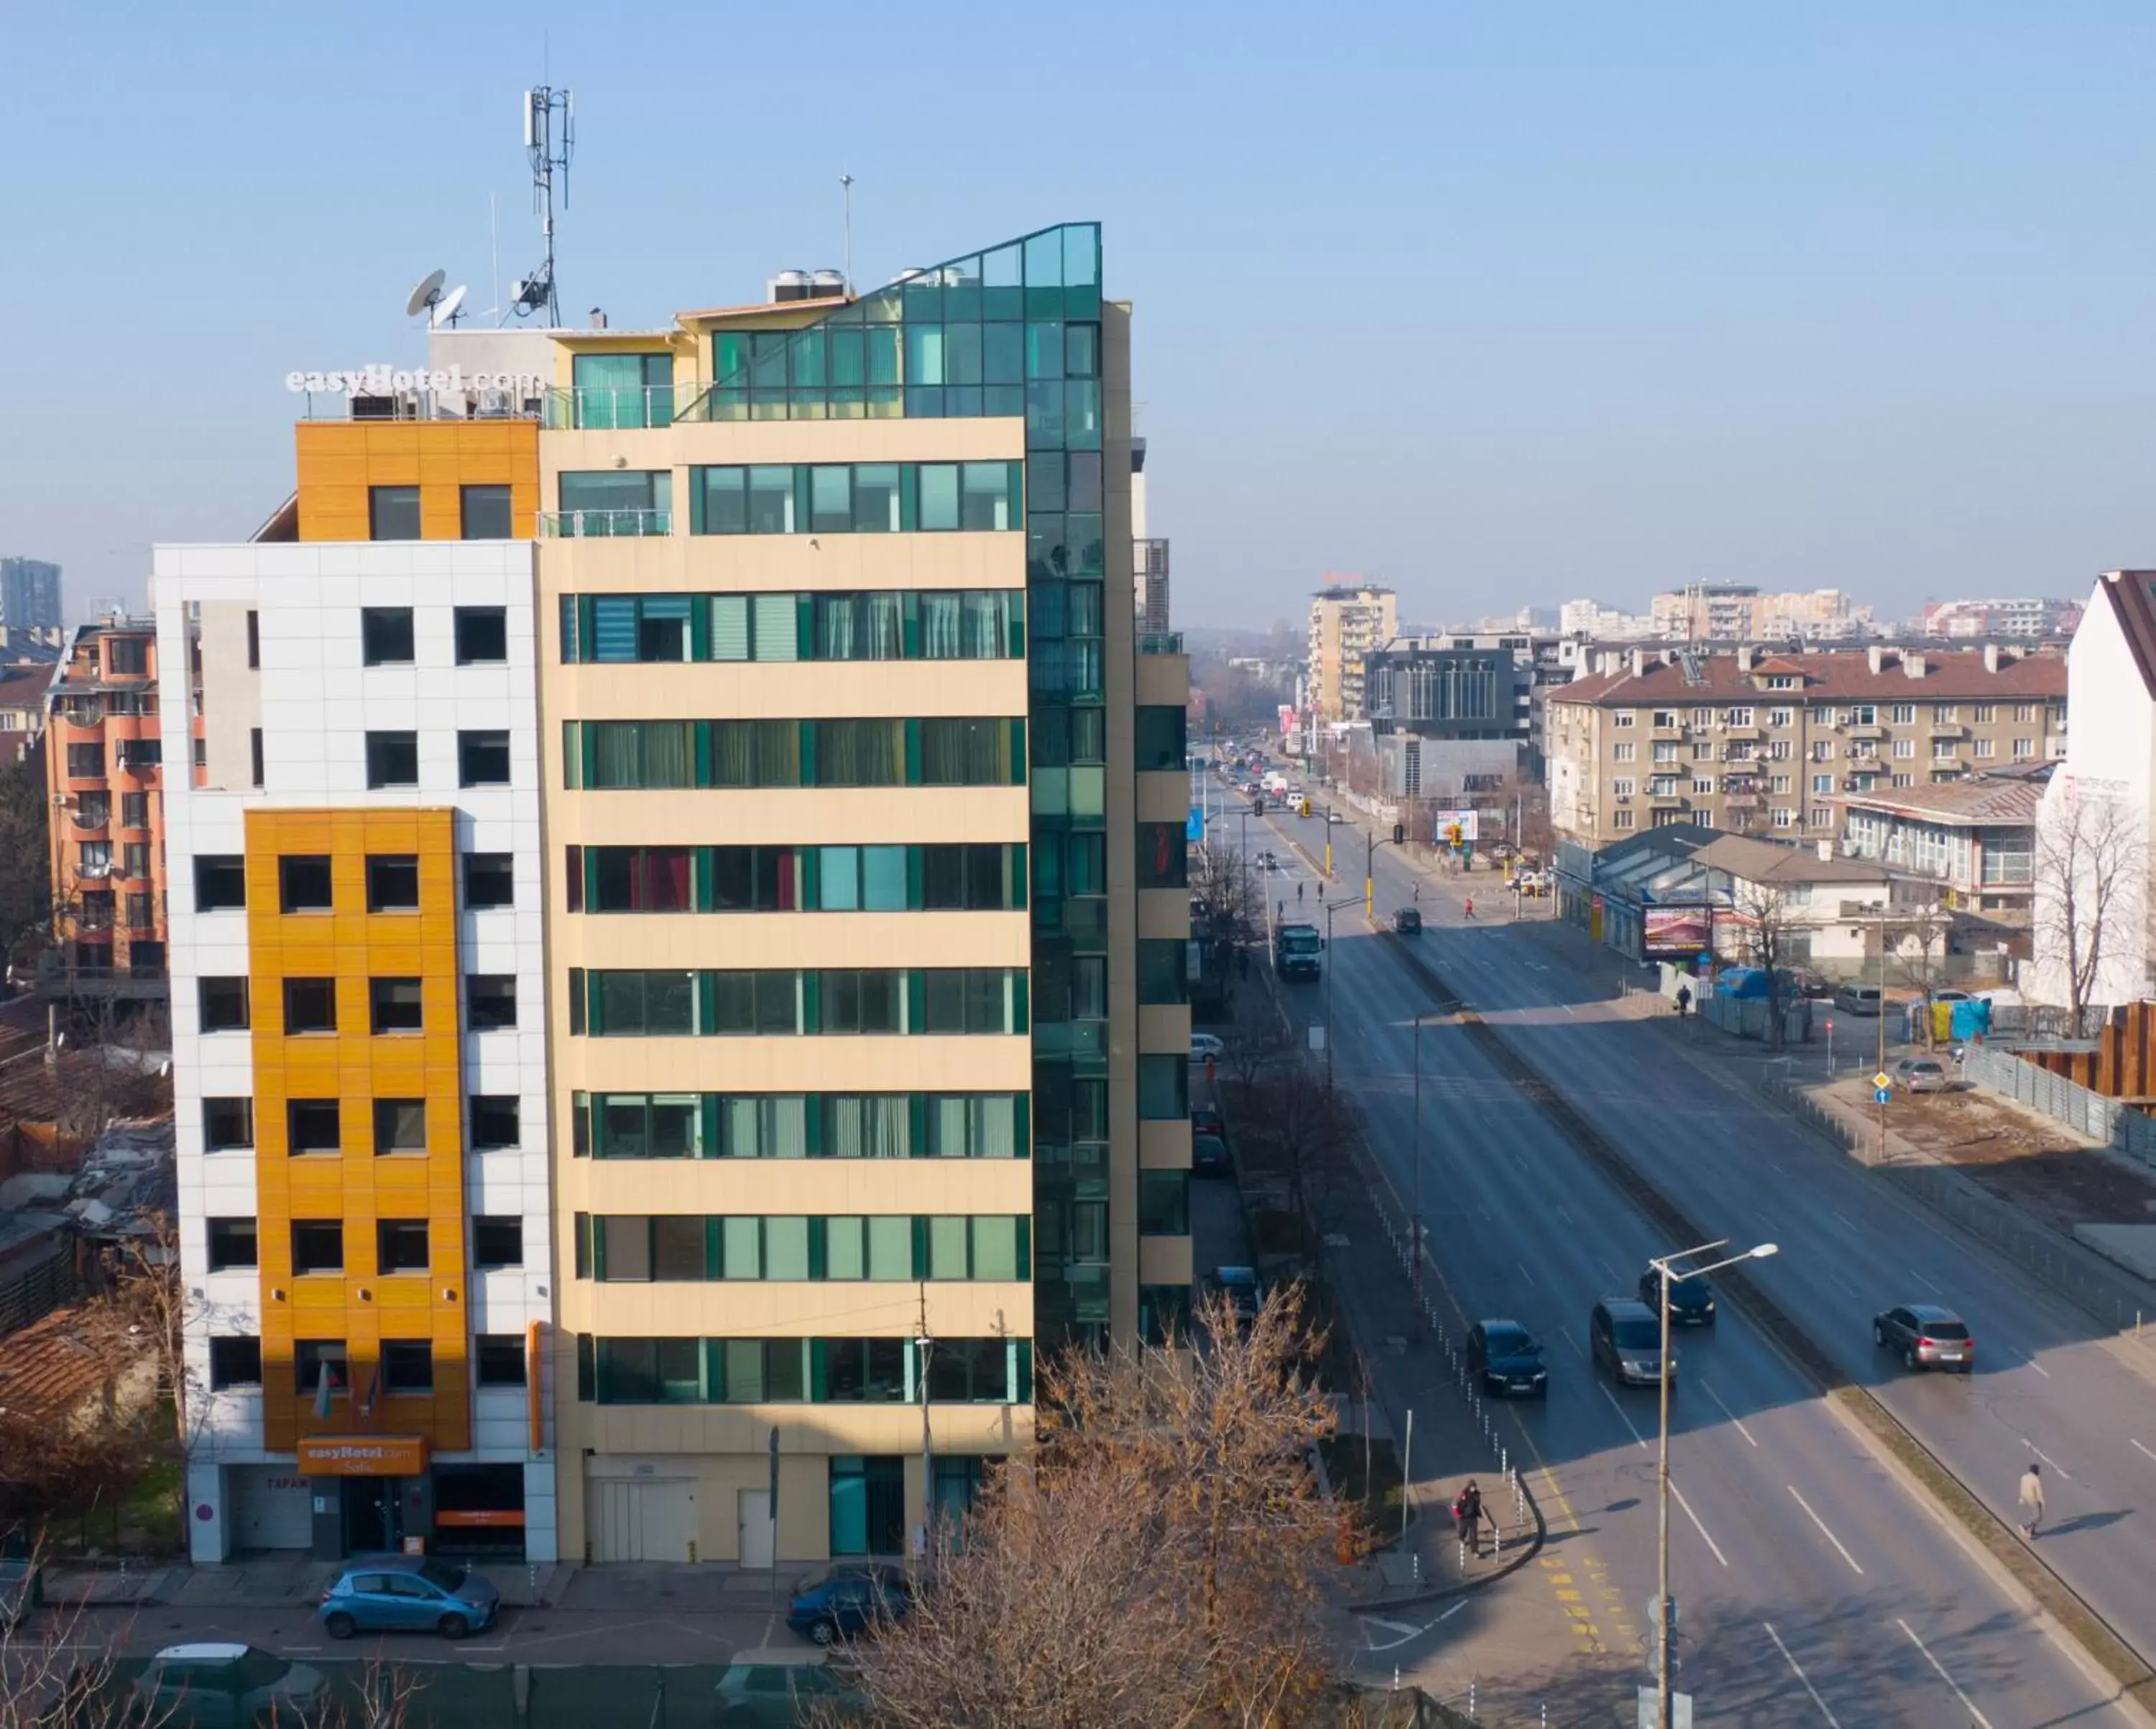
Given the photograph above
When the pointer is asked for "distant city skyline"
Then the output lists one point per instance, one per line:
(1528, 306)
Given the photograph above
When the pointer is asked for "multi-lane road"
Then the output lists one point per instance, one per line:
(1815, 1586)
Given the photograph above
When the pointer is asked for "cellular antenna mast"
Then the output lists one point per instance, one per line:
(549, 138)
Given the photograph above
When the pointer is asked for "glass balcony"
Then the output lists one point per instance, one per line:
(1160, 642)
(608, 408)
(604, 525)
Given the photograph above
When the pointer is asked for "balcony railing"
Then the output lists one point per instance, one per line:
(1160, 642)
(604, 525)
(605, 409)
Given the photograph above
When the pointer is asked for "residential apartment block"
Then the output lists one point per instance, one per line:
(104, 775)
(1347, 621)
(29, 594)
(1764, 742)
(844, 1069)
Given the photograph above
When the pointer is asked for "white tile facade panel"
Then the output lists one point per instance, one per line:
(318, 702)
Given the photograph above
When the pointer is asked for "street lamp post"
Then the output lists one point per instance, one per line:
(1417, 1169)
(1331, 907)
(1666, 1267)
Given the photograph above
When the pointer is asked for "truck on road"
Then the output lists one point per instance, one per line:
(1295, 950)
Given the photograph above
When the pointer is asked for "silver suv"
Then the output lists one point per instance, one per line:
(1626, 1338)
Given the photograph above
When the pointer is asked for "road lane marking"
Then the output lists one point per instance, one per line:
(1843, 1217)
(1565, 1333)
(1524, 1273)
(1827, 1534)
(2046, 1457)
(1727, 1411)
(1697, 1526)
(2139, 1448)
(2040, 1368)
(1561, 1213)
(1982, 1721)
(1935, 1290)
(1803, 1678)
(1845, 1284)
(1623, 1416)
(1606, 1267)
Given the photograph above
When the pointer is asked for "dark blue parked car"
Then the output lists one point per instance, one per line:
(848, 1602)
(396, 1593)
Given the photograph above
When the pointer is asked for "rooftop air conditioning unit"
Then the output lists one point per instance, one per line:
(496, 403)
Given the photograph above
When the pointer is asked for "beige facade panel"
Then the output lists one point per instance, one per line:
(793, 939)
(793, 691)
(705, 1494)
(980, 1063)
(1164, 912)
(709, 1432)
(1163, 797)
(753, 1309)
(1163, 680)
(1164, 1027)
(787, 563)
(804, 816)
(1165, 1260)
(688, 443)
(782, 1187)
(1164, 1145)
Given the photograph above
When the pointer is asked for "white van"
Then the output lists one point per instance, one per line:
(1857, 999)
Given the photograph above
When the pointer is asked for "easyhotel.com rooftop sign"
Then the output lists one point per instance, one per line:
(388, 381)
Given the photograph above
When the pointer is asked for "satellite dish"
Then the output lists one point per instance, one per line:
(447, 309)
(428, 291)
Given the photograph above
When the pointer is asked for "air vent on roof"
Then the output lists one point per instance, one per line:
(793, 285)
(826, 283)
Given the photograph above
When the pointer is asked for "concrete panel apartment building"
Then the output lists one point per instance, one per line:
(1765, 742)
(830, 1051)
(1348, 621)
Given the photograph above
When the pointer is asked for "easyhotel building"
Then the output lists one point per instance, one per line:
(680, 931)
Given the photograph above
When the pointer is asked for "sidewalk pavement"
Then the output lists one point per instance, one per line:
(1415, 1368)
(268, 1582)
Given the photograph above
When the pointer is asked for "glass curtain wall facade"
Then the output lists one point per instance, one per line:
(1011, 331)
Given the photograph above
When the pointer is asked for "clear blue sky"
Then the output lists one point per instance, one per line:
(1498, 303)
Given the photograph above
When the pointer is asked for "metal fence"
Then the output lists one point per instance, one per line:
(2120, 1126)
(2108, 1296)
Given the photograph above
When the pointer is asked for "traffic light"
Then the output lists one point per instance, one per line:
(1400, 833)
(1303, 808)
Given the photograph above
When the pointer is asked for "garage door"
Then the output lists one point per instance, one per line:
(271, 1508)
(641, 1518)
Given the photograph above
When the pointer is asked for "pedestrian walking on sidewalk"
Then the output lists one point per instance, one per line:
(1684, 1001)
(2031, 1500)
(1470, 909)
(1467, 1510)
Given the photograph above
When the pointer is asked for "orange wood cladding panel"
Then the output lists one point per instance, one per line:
(339, 459)
(350, 945)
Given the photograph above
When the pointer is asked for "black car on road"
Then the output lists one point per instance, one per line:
(1508, 1359)
(1691, 1301)
(1408, 921)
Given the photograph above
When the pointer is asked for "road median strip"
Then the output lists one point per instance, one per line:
(2095, 1635)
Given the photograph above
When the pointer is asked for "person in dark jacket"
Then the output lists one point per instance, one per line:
(1468, 1511)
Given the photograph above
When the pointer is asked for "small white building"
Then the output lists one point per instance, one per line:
(2093, 841)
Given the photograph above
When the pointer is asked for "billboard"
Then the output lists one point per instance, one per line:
(1291, 722)
(1670, 933)
(1442, 822)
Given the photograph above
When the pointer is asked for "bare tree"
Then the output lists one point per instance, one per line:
(2090, 872)
(1157, 1563)
(1231, 909)
(1253, 1051)
(117, 1072)
(1918, 935)
(1311, 1130)
(1763, 915)
(26, 897)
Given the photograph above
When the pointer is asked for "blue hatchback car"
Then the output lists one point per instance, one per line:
(402, 1593)
(849, 1602)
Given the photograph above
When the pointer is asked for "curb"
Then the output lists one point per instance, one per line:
(2102, 1643)
(1460, 1588)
